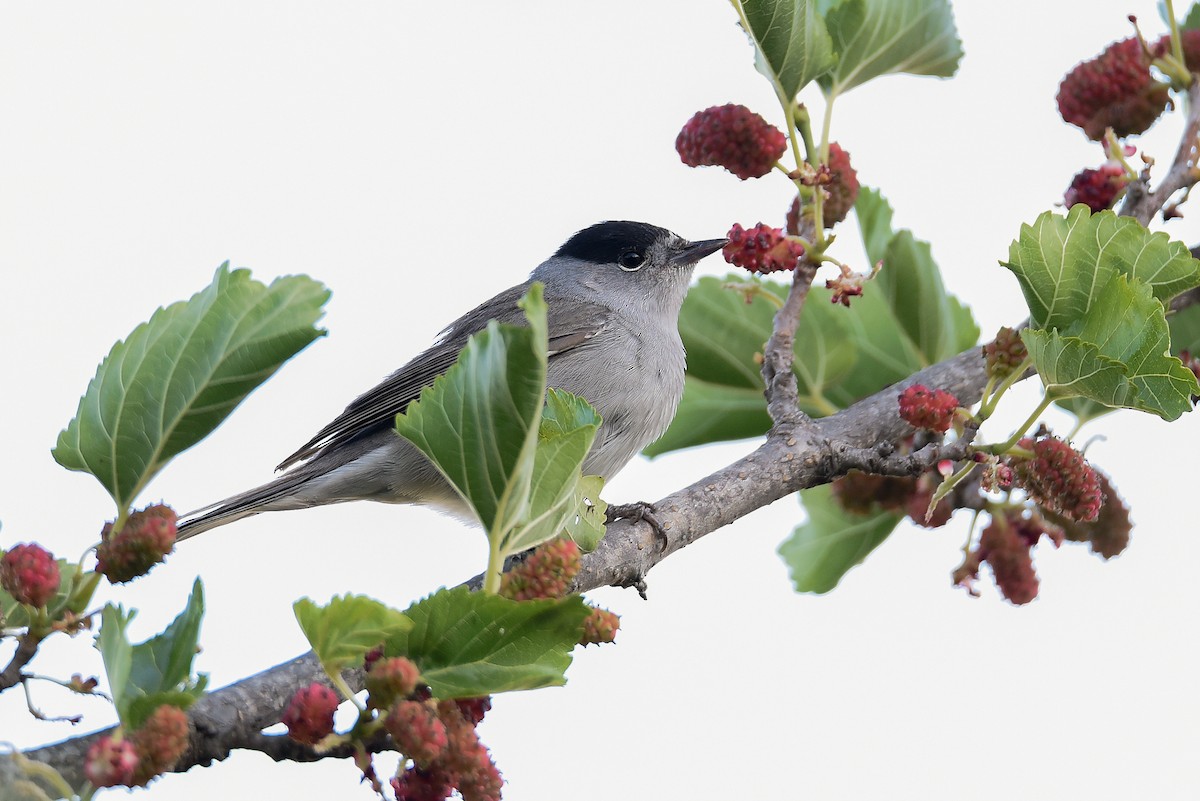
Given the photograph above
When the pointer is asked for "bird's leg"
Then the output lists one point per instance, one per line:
(637, 512)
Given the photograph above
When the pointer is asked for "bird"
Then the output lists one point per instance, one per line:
(613, 292)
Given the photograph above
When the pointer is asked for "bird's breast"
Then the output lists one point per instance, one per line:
(633, 376)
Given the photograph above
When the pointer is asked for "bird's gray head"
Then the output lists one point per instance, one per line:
(629, 265)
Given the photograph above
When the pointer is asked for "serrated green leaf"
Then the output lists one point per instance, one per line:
(478, 423)
(469, 644)
(157, 671)
(176, 377)
(1117, 356)
(1061, 262)
(1069, 367)
(823, 549)
(882, 37)
(565, 436)
(342, 631)
(792, 45)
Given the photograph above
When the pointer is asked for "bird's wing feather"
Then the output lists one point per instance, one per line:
(569, 325)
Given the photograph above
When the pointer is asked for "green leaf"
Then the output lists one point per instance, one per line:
(1192, 20)
(176, 377)
(832, 541)
(586, 526)
(1117, 356)
(469, 644)
(1071, 367)
(1061, 262)
(157, 671)
(934, 321)
(881, 37)
(713, 413)
(792, 45)
(342, 631)
(1185, 330)
(479, 422)
(874, 215)
(565, 436)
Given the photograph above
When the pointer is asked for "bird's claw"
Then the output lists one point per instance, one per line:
(637, 512)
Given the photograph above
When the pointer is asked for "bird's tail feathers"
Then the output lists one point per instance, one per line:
(275, 495)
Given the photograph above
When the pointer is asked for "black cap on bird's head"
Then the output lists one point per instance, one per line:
(626, 243)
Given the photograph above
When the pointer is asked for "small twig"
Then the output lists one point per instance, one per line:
(27, 648)
(781, 390)
(779, 352)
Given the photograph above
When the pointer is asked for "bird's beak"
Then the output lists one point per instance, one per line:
(696, 251)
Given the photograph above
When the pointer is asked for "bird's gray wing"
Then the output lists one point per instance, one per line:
(570, 325)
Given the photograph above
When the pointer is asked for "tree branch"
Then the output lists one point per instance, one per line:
(793, 457)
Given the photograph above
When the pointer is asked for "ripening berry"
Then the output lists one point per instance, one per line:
(1096, 189)
(997, 477)
(843, 189)
(483, 783)
(928, 409)
(466, 758)
(309, 715)
(415, 784)
(389, 680)
(761, 249)
(1005, 353)
(144, 541)
(1059, 479)
(1115, 90)
(600, 626)
(545, 573)
(865, 493)
(110, 763)
(733, 137)
(418, 732)
(474, 709)
(159, 741)
(1108, 534)
(1007, 552)
(29, 573)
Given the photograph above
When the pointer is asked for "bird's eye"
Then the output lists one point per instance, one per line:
(630, 261)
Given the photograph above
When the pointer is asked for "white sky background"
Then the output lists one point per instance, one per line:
(418, 159)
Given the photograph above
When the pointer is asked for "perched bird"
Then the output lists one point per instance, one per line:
(613, 294)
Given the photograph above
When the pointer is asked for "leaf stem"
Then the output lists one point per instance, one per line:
(495, 566)
(989, 404)
(345, 690)
(1004, 447)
